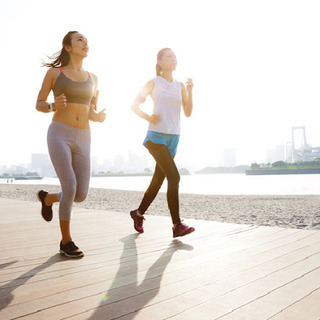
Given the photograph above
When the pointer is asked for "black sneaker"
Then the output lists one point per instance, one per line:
(70, 250)
(46, 211)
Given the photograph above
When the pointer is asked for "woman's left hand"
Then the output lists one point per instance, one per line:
(97, 116)
(101, 116)
(189, 85)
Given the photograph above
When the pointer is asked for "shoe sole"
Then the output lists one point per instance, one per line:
(49, 218)
(70, 255)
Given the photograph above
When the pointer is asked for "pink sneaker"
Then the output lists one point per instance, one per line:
(137, 220)
(181, 230)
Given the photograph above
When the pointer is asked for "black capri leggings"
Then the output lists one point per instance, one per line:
(165, 168)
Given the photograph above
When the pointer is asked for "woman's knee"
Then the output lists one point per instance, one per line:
(68, 194)
(174, 178)
(80, 196)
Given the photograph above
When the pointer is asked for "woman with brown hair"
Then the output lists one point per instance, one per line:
(163, 136)
(69, 136)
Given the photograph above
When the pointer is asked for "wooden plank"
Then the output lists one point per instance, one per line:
(281, 299)
(238, 269)
(306, 306)
(246, 287)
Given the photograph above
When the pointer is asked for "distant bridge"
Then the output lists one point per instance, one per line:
(300, 150)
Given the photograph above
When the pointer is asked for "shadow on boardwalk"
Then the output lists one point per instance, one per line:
(6, 290)
(125, 296)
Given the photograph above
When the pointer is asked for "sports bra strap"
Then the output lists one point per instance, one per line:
(61, 70)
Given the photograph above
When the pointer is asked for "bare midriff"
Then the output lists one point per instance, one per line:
(75, 115)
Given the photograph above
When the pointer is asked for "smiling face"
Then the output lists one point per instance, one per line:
(167, 60)
(79, 45)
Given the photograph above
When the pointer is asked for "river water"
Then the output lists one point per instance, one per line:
(216, 184)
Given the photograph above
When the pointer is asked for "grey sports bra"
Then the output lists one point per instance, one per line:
(77, 92)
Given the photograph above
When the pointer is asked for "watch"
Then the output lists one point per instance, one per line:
(50, 107)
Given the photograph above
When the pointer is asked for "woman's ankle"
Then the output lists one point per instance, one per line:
(139, 213)
(46, 200)
(50, 199)
(175, 224)
(65, 241)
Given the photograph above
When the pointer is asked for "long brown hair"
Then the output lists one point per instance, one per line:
(61, 58)
(159, 57)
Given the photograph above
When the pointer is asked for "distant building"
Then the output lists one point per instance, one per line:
(289, 155)
(276, 154)
(137, 162)
(41, 163)
(229, 157)
(14, 169)
(107, 165)
(119, 163)
(94, 164)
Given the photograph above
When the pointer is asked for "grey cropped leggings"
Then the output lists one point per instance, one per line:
(69, 150)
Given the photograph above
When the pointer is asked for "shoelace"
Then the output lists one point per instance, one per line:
(140, 220)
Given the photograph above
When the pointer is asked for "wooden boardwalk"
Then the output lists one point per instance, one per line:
(222, 271)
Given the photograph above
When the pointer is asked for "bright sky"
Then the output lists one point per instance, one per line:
(255, 65)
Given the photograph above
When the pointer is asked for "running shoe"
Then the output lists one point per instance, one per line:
(181, 230)
(70, 250)
(137, 220)
(46, 211)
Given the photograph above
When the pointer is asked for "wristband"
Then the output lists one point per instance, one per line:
(50, 107)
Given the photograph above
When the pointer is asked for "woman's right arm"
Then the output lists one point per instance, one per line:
(141, 97)
(47, 85)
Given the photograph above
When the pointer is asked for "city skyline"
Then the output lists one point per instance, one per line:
(132, 162)
(138, 162)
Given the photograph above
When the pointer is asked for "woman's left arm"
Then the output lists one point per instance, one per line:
(93, 115)
(187, 102)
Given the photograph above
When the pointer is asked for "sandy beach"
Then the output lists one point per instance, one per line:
(290, 211)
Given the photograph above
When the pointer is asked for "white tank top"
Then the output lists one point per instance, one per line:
(167, 101)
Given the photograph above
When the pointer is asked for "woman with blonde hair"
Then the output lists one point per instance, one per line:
(163, 136)
(69, 136)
